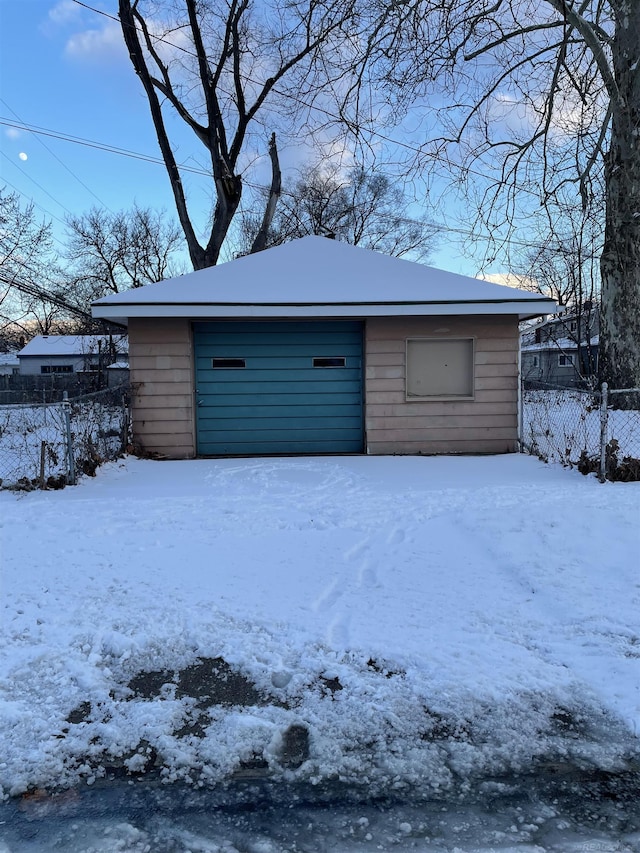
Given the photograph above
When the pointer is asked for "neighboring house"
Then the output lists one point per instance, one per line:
(317, 346)
(562, 351)
(67, 354)
(9, 364)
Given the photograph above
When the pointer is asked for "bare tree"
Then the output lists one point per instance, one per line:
(107, 253)
(540, 98)
(365, 208)
(216, 65)
(110, 252)
(29, 271)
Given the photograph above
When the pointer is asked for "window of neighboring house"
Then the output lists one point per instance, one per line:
(56, 368)
(573, 326)
(565, 360)
(534, 361)
(440, 368)
(15, 370)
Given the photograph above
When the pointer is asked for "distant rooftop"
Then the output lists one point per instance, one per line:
(44, 345)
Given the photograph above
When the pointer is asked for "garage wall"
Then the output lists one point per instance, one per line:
(486, 424)
(161, 371)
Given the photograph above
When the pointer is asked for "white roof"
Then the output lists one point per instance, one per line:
(319, 277)
(70, 345)
(560, 344)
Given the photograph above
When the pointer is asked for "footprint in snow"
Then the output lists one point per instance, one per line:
(328, 598)
(338, 631)
(396, 536)
(367, 575)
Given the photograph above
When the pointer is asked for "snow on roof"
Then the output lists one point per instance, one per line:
(560, 344)
(45, 345)
(316, 276)
(9, 359)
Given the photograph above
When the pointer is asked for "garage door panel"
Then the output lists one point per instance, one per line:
(295, 379)
(276, 350)
(297, 434)
(263, 412)
(296, 367)
(272, 448)
(283, 389)
(320, 399)
(286, 424)
(275, 400)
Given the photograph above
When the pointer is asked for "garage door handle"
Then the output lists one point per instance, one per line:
(200, 402)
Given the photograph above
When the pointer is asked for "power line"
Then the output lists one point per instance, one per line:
(30, 200)
(33, 180)
(159, 162)
(55, 156)
(100, 146)
(371, 131)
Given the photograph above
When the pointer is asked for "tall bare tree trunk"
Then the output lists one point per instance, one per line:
(620, 265)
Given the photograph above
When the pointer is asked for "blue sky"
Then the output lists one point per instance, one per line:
(64, 68)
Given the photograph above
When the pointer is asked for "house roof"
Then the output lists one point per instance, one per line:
(559, 344)
(9, 359)
(70, 345)
(319, 277)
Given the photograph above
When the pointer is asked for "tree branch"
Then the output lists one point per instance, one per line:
(260, 241)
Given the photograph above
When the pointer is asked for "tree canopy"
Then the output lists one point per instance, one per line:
(535, 102)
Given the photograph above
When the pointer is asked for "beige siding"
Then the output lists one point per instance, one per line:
(486, 424)
(161, 365)
(161, 362)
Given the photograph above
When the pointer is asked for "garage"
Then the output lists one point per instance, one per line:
(273, 387)
(316, 346)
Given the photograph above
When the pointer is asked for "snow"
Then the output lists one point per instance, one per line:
(49, 345)
(337, 280)
(560, 344)
(428, 621)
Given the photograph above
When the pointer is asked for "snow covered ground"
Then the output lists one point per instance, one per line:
(400, 623)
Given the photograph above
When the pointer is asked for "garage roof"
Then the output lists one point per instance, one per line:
(320, 277)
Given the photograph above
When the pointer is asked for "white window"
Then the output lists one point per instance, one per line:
(440, 369)
(565, 360)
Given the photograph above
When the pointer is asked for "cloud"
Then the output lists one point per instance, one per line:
(96, 45)
(511, 279)
(64, 12)
(13, 133)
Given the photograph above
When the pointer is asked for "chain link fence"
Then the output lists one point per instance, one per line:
(591, 430)
(51, 445)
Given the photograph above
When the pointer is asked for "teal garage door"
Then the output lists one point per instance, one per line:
(278, 387)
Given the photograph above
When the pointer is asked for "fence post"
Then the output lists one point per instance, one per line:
(43, 452)
(125, 424)
(604, 415)
(71, 463)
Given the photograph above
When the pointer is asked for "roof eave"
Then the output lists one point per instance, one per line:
(121, 312)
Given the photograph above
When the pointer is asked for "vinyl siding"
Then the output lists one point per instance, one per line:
(486, 424)
(161, 373)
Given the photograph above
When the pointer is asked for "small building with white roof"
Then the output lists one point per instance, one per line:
(317, 346)
(68, 354)
(9, 364)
